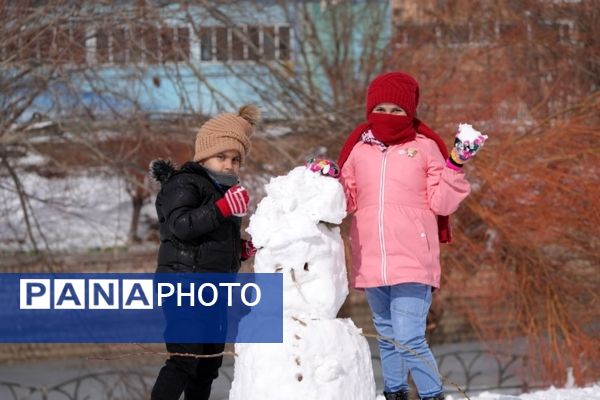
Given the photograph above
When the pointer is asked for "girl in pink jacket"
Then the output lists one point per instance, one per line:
(400, 187)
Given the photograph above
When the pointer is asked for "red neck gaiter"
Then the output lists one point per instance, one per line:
(392, 129)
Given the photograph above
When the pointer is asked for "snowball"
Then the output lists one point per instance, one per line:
(466, 133)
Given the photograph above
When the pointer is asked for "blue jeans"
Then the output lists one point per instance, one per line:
(400, 313)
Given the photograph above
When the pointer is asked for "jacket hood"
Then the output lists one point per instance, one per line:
(161, 170)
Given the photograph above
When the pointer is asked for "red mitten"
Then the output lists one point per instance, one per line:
(248, 249)
(234, 202)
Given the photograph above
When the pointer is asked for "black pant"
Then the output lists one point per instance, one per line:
(188, 375)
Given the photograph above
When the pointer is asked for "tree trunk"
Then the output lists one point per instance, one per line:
(137, 202)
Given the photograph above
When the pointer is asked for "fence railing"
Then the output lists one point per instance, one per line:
(471, 370)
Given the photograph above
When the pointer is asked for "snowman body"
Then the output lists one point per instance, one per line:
(322, 357)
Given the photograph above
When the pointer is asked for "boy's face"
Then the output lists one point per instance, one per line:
(228, 162)
(388, 108)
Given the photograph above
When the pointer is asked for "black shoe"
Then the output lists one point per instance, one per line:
(399, 395)
(439, 396)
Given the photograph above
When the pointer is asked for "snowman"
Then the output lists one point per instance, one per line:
(296, 230)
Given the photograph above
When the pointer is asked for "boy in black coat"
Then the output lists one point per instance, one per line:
(199, 211)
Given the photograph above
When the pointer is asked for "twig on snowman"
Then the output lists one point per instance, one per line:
(298, 320)
(297, 284)
(329, 225)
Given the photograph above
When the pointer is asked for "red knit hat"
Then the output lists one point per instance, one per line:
(394, 87)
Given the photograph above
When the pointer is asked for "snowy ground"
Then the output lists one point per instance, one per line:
(587, 393)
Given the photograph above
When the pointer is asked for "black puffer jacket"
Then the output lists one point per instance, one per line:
(194, 236)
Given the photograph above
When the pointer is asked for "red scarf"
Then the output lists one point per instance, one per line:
(394, 129)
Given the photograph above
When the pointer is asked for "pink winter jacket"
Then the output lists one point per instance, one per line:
(394, 197)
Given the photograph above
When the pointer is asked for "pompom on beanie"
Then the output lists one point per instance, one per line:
(394, 87)
(227, 131)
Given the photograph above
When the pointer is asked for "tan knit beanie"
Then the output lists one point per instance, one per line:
(227, 131)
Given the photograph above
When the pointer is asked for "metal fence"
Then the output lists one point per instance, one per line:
(465, 368)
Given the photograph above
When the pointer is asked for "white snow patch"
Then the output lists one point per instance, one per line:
(72, 213)
(41, 124)
(277, 131)
(31, 160)
(552, 393)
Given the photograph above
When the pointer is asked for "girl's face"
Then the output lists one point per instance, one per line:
(228, 162)
(388, 108)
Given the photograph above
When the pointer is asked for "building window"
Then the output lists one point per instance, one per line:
(254, 50)
(245, 43)
(416, 35)
(31, 42)
(269, 43)
(222, 43)
(61, 44)
(482, 33)
(102, 46)
(206, 44)
(149, 44)
(138, 43)
(119, 39)
(182, 46)
(553, 31)
(511, 32)
(284, 43)
(167, 44)
(452, 35)
(238, 36)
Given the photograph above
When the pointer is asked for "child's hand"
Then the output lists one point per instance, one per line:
(248, 249)
(467, 143)
(234, 202)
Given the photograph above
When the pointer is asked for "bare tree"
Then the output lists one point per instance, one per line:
(526, 239)
(94, 69)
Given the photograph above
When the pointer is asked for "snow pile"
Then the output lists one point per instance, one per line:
(321, 357)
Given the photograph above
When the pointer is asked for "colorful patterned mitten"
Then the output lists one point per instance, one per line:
(467, 143)
(324, 166)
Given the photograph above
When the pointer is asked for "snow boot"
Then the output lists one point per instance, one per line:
(399, 395)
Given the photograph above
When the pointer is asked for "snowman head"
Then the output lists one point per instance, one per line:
(296, 203)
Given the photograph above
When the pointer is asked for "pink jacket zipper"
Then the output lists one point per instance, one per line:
(381, 215)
